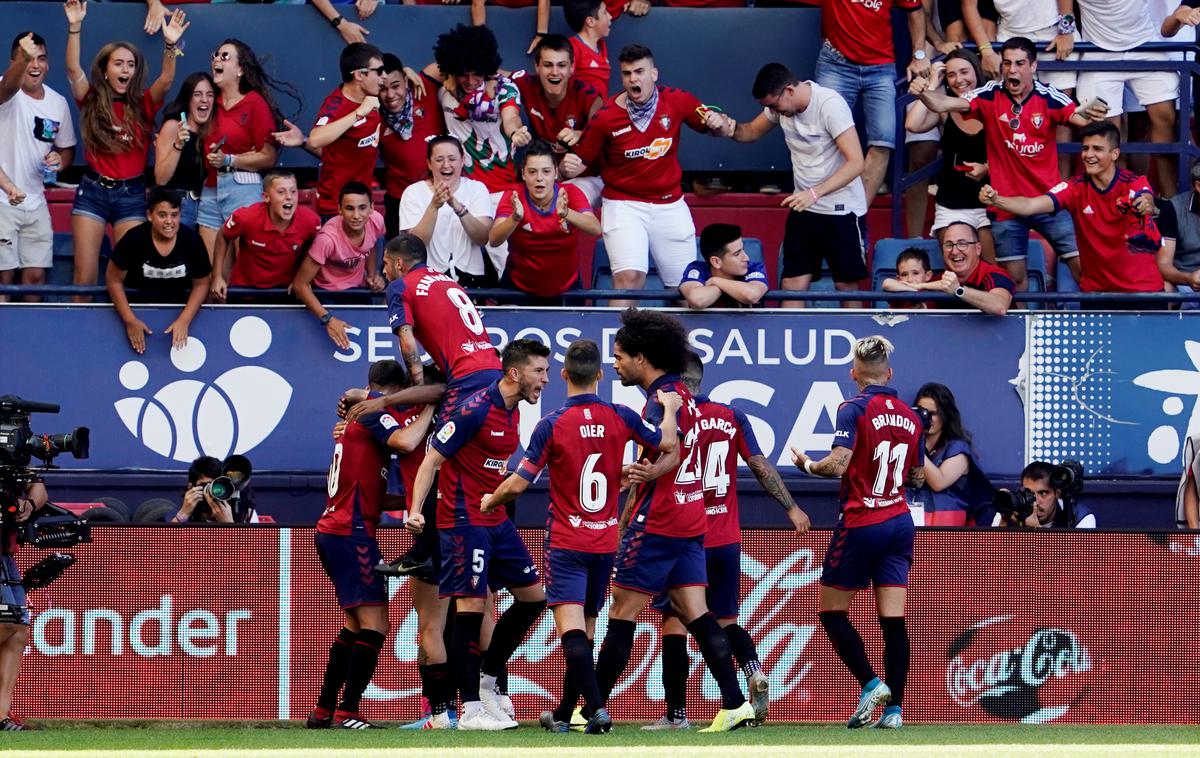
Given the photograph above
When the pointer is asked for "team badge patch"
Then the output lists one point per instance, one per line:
(665, 121)
(1038, 120)
(446, 432)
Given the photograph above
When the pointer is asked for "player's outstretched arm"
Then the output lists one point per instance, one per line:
(415, 522)
(768, 476)
(509, 490)
(407, 439)
(831, 466)
(754, 129)
(424, 394)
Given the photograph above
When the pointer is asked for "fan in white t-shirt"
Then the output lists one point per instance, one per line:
(39, 138)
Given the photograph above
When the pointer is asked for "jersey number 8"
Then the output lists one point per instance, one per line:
(466, 310)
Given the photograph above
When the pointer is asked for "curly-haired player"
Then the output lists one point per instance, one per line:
(662, 544)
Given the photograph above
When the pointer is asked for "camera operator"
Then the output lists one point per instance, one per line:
(14, 634)
(201, 504)
(1039, 503)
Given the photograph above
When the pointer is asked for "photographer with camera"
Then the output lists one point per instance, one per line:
(1048, 497)
(216, 493)
(14, 623)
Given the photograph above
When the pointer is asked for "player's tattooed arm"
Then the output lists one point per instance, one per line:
(768, 476)
(916, 477)
(832, 465)
(412, 356)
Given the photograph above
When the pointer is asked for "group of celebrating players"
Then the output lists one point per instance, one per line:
(676, 543)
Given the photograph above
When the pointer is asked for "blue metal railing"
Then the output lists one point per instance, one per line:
(903, 179)
(583, 297)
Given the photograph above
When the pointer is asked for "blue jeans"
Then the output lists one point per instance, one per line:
(189, 210)
(218, 203)
(875, 84)
(125, 202)
(1012, 235)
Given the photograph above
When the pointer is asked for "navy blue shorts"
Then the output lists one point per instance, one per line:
(575, 577)
(12, 594)
(653, 563)
(723, 567)
(460, 388)
(478, 558)
(880, 554)
(349, 562)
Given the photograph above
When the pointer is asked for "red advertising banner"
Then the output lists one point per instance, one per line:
(1006, 626)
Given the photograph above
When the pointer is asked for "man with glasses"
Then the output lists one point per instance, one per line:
(973, 281)
(1019, 116)
(347, 127)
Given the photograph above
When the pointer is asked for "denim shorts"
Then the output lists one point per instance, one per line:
(189, 210)
(218, 203)
(1012, 235)
(125, 202)
(875, 84)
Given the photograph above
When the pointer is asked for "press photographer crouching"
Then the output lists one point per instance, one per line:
(217, 493)
(1048, 497)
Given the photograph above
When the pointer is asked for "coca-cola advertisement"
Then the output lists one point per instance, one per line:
(1006, 626)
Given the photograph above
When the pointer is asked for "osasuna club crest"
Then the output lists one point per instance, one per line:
(1037, 120)
(665, 121)
(570, 122)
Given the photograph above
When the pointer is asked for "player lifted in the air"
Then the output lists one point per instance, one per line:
(877, 451)
(583, 443)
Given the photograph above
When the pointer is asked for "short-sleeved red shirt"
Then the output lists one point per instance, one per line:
(405, 161)
(862, 31)
(1116, 245)
(358, 475)
(887, 440)
(268, 257)
(350, 157)
(129, 163)
(543, 252)
(477, 441)
(545, 121)
(637, 165)
(725, 435)
(592, 66)
(246, 127)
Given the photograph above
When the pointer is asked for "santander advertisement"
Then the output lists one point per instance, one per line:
(235, 623)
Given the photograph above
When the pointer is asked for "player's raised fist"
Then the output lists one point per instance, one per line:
(415, 523)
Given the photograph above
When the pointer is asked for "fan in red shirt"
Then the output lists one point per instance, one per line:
(557, 103)
(116, 138)
(973, 281)
(1113, 213)
(725, 435)
(635, 137)
(482, 551)
(591, 21)
(262, 244)
(583, 443)
(347, 127)
(541, 220)
(1019, 116)
(410, 119)
(878, 450)
(346, 546)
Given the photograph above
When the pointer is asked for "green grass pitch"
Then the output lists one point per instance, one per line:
(78, 739)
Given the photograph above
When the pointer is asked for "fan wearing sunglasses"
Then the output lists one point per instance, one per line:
(1019, 116)
(348, 125)
(238, 144)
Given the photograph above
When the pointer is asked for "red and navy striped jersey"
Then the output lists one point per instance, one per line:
(477, 441)
(443, 320)
(358, 474)
(583, 443)
(725, 434)
(673, 504)
(885, 436)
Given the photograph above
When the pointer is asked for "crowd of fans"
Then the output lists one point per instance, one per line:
(498, 171)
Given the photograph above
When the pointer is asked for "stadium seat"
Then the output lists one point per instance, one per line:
(599, 258)
(63, 270)
(887, 252)
(1064, 281)
(1035, 266)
